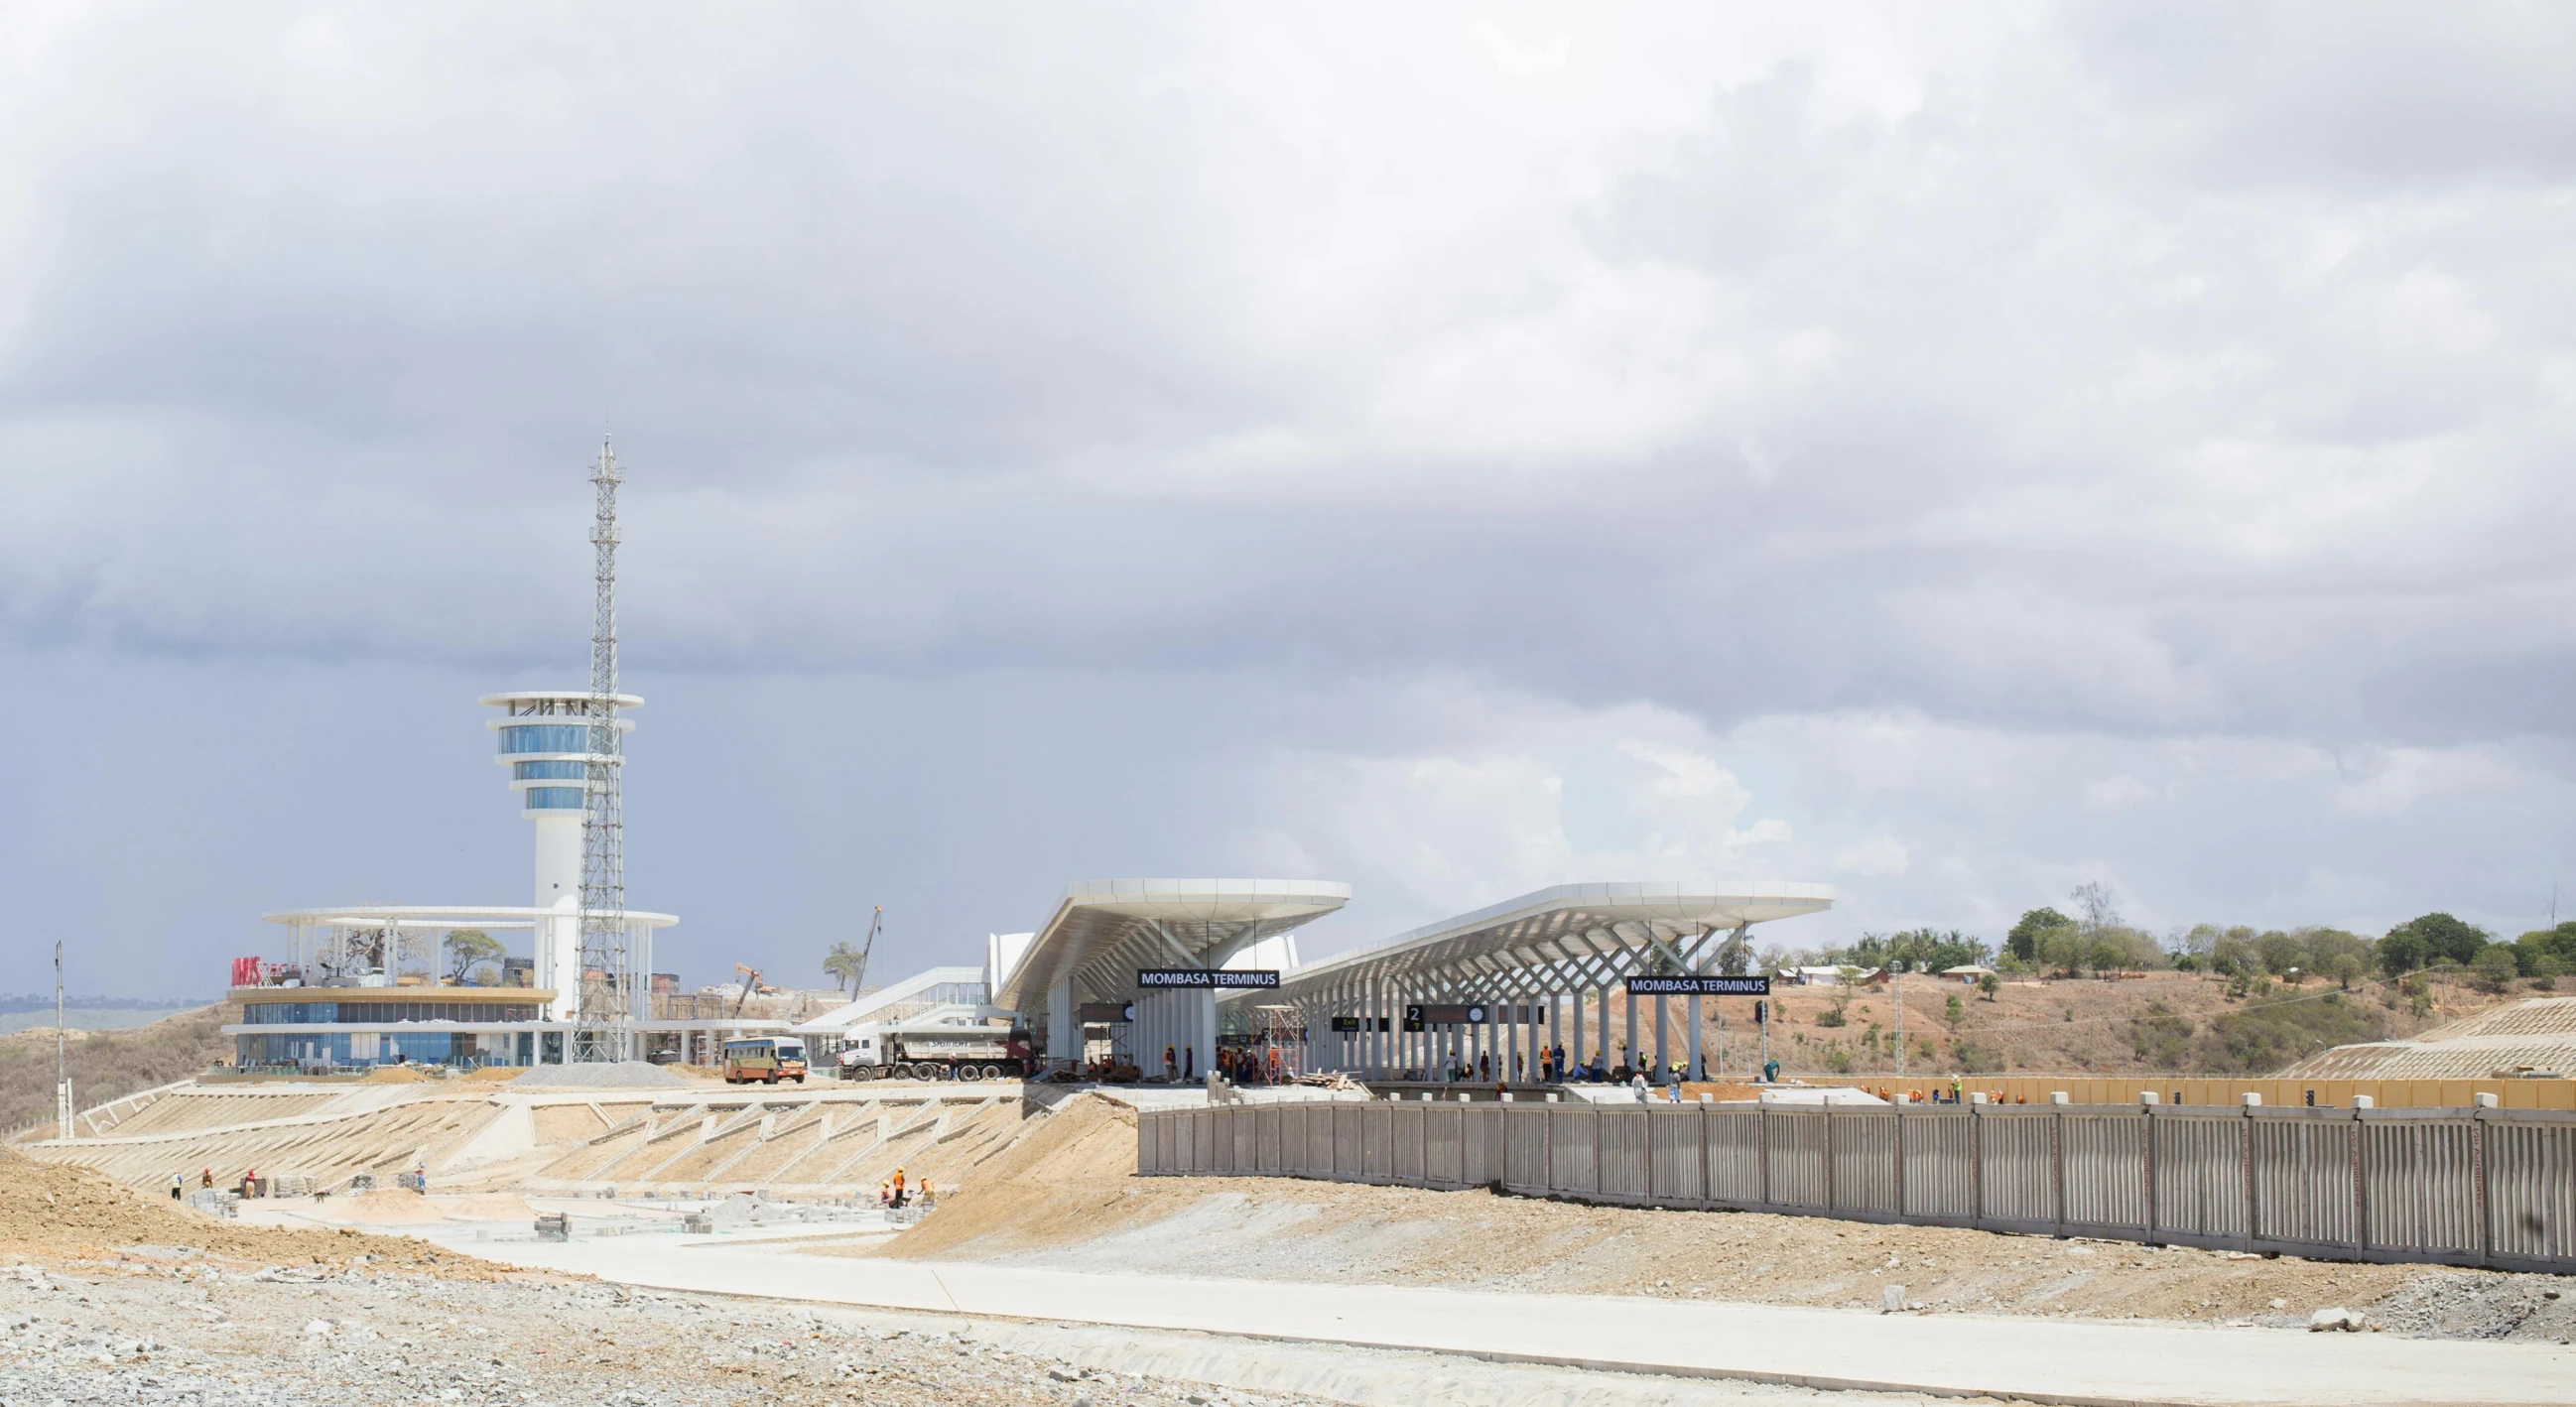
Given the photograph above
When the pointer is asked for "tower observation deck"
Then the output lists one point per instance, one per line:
(545, 740)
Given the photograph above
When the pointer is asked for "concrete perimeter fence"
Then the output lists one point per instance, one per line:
(2483, 1186)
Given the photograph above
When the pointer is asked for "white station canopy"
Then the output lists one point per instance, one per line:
(1569, 928)
(1103, 931)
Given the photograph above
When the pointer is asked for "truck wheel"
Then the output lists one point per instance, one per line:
(992, 1072)
(968, 1072)
(924, 1072)
(769, 1079)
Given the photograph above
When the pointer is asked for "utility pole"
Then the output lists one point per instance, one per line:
(62, 1055)
(1898, 992)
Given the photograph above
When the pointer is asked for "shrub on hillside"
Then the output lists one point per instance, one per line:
(2263, 1038)
(2161, 1038)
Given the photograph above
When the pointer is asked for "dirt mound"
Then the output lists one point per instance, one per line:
(55, 1211)
(1065, 1180)
(394, 1075)
(495, 1073)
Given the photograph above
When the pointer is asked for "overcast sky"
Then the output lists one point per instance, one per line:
(1948, 454)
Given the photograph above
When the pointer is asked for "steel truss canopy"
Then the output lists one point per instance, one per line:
(1103, 931)
(1570, 935)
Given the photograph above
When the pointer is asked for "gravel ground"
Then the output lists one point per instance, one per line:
(169, 1324)
(183, 1330)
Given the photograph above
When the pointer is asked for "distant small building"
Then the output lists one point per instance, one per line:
(1969, 973)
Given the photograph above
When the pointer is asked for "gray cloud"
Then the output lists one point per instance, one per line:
(2115, 389)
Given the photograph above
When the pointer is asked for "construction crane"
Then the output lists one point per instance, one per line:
(750, 979)
(876, 925)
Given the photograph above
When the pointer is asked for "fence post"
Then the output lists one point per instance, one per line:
(1829, 1157)
(1547, 1145)
(1977, 1160)
(1762, 1147)
(2057, 1162)
(2147, 1160)
(1707, 1180)
(1897, 1150)
(2360, 1179)
(2253, 1184)
(2482, 1182)
(1596, 1137)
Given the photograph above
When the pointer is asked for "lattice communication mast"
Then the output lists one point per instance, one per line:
(603, 1024)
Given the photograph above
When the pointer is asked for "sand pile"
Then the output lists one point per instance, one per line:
(53, 1210)
(1070, 1177)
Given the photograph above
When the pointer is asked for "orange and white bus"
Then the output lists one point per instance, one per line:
(767, 1059)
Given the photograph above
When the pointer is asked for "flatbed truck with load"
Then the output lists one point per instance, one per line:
(933, 1051)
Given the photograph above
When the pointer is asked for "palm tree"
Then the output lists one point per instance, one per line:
(844, 965)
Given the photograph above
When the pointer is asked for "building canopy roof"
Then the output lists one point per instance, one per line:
(1103, 930)
(1564, 934)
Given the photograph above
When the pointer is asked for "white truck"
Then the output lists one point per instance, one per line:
(933, 1050)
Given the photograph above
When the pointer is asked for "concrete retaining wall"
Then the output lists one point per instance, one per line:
(2492, 1187)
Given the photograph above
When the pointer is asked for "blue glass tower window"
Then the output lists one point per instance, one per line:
(549, 771)
(545, 737)
(554, 798)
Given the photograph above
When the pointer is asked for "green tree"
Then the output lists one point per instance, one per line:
(843, 965)
(2023, 941)
(467, 949)
(2445, 937)
(2546, 945)
(1988, 985)
(2495, 966)
(2402, 951)
(1953, 1012)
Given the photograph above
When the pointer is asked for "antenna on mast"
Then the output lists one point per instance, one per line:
(603, 1024)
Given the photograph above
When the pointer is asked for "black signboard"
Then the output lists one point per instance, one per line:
(1156, 978)
(1686, 986)
(1452, 1014)
(1346, 1023)
(1107, 1013)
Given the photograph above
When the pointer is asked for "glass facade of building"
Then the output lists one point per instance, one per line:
(549, 771)
(544, 737)
(554, 798)
(363, 1048)
(332, 1013)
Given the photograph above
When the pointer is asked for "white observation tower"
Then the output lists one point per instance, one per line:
(545, 737)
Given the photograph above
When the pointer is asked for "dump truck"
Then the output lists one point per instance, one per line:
(934, 1050)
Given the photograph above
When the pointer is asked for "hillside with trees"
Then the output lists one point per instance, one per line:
(2083, 992)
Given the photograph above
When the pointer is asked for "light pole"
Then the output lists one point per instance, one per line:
(62, 1055)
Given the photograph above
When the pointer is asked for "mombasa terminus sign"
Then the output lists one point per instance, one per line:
(1150, 979)
(1688, 986)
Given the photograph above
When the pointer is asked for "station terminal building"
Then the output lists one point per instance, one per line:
(1128, 974)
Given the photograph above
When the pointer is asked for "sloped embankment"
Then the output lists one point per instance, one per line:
(57, 1212)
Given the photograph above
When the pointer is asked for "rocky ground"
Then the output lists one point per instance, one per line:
(170, 1325)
